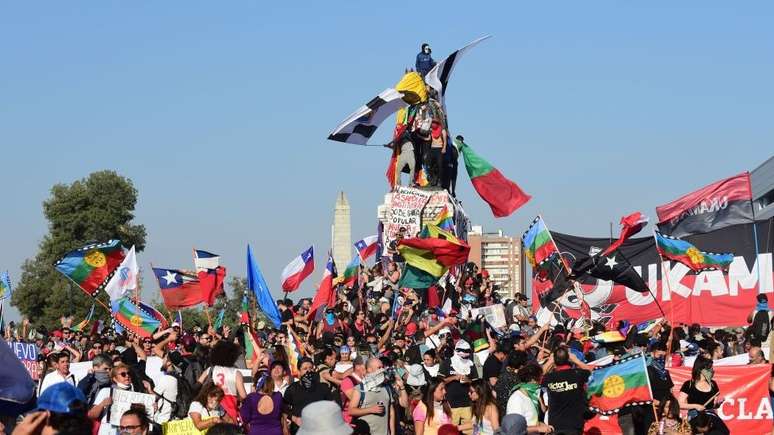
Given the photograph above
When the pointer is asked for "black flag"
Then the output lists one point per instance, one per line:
(611, 267)
(560, 281)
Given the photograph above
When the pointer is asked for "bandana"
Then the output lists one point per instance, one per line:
(762, 306)
(461, 362)
(658, 365)
(531, 389)
(436, 130)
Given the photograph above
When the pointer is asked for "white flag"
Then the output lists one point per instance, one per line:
(124, 280)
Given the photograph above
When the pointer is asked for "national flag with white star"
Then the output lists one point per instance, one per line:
(611, 267)
(179, 289)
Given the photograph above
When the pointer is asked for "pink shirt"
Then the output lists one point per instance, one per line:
(346, 386)
(439, 418)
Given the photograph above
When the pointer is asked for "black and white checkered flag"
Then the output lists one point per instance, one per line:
(361, 125)
(438, 77)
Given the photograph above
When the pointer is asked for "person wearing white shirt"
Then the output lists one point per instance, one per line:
(61, 363)
(101, 409)
(166, 392)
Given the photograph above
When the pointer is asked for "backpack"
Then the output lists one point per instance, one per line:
(760, 325)
(185, 395)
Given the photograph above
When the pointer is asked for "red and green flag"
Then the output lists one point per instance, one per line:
(684, 252)
(137, 318)
(503, 195)
(252, 348)
(91, 266)
(622, 383)
(350, 273)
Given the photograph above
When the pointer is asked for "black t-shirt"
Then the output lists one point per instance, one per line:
(492, 367)
(697, 397)
(286, 316)
(659, 387)
(566, 398)
(456, 391)
(297, 397)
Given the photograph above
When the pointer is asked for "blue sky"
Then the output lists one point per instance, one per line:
(219, 113)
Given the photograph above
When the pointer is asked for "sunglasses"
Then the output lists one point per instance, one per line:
(205, 338)
(123, 374)
(129, 428)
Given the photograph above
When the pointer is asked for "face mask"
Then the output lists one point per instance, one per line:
(102, 377)
(707, 373)
(123, 387)
(330, 318)
(374, 348)
(427, 50)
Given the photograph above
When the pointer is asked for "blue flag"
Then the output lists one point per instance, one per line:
(5, 285)
(257, 284)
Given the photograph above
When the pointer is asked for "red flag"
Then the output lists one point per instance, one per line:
(630, 225)
(325, 295)
(211, 283)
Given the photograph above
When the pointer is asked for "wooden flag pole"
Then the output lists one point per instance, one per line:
(665, 282)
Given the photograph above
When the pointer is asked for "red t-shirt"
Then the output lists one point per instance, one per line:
(346, 386)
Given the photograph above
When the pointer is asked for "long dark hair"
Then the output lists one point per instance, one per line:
(485, 398)
(700, 364)
(673, 410)
(427, 399)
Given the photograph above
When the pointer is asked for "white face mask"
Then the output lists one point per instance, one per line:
(427, 50)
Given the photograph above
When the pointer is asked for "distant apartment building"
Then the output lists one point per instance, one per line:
(501, 255)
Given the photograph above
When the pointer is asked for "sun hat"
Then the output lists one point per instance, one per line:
(59, 397)
(323, 418)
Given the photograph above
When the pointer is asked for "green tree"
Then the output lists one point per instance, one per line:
(97, 208)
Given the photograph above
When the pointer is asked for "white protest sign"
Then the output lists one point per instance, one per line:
(123, 400)
(409, 207)
(247, 379)
(494, 314)
(153, 368)
(544, 316)
(80, 370)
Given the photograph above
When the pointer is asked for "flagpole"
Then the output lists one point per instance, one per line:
(551, 236)
(647, 286)
(93, 297)
(665, 279)
(755, 233)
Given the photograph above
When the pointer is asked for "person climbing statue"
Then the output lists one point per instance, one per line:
(435, 164)
(425, 61)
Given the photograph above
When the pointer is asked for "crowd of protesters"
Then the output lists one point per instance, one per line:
(381, 361)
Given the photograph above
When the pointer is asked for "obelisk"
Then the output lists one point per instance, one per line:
(342, 234)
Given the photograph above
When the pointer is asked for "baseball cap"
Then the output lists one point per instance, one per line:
(59, 397)
(485, 273)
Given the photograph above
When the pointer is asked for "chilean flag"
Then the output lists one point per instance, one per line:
(325, 296)
(179, 289)
(367, 246)
(298, 269)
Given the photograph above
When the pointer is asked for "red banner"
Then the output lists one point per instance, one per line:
(746, 407)
(745, 410)
(711, 298)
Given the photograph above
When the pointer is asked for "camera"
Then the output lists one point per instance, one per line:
(389, 375)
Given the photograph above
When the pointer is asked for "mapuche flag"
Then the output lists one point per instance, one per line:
(503, 195)
(687, 254)
(622, 383)
(90, 266)
(135, 318)
(718, 205)
(539, 247)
